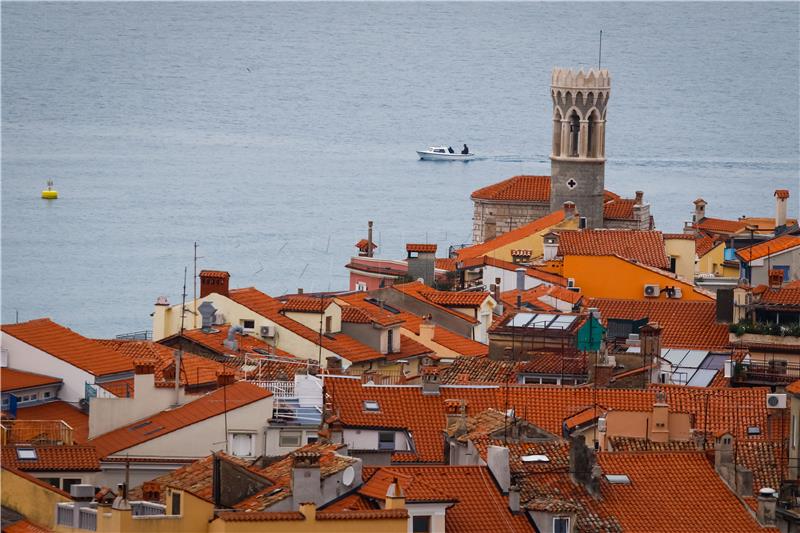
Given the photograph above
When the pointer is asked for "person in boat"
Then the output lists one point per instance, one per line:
(465, 151)
(450, 149)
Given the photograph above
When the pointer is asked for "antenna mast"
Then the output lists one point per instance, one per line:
(179, 351)
(600, 52)
(194, 283)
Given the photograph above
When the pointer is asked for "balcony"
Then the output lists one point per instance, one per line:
(36, 432)
(769, 373)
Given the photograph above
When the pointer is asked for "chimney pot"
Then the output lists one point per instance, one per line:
(569, 209)
(225, 378)
(300, 290)
(639, 197)
(214, 281)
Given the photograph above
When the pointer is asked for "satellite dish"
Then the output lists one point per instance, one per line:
(348, 476)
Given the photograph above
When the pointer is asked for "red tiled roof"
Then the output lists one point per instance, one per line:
(23, 526)
(783, 296)
(704, 244)
(684, 323)
(444, 337)
(794, 387)
(369, 311)
(534, 296)
(306, 304)
(264, 516)
(423, 293)
(479, 507)
(512, 236)
(782, 193)
(421, 248)
(533, 272)
(445, 263)
(12, 379)
(371, 514)
(518, 188)
(352, 502)
(363, 243)
(619, 209)
(236, 395)
(268, 307)
(214, 274)
(719, 225)
(214, 341)
(456, 299)
(680, 236)
(61, 458)
(65, 344)
(768, 248)
(645, 247)
(58, 410)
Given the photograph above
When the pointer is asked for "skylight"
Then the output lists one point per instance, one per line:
(618, 479)
(371, 405)
(753, 430)
(535, 459)
(27, 453)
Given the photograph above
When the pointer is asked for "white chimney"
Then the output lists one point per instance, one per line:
(497, 461)
(781, 195)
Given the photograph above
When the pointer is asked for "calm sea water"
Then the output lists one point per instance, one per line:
(271, 133)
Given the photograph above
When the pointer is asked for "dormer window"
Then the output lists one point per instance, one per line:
(561, 524)
(371, 406)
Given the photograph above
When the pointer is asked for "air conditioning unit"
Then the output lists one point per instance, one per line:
(676, 293)
(652, 290)
(574, 289)
(267, 332)
(570, 282)
(776, 401)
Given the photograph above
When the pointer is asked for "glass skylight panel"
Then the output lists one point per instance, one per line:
(535, 459)
(563, 322)
(694, 358)
(541, 321)
(753, 430)
(26, 453)
(521, 319)
(618, 479)
(702, 378)
(371, 405)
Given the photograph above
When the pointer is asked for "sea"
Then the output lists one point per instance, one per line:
(270, 133)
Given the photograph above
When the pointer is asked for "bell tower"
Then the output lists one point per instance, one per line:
(578, 155)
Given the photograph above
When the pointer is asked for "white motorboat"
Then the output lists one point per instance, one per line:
(441, 153)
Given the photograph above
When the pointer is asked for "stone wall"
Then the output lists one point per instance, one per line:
(641, 220)
(493, 218)
(581, 182)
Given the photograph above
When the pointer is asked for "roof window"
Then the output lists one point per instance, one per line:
(535, 459)
(27, 454)
(618, 479)
(371, 405)
(753, 430)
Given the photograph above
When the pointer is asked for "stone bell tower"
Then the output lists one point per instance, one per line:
(578, 156)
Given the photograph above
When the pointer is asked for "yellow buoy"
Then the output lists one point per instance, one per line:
(49, 193)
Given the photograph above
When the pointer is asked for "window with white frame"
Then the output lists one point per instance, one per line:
(248, 325)
(361, 286)
(561, 524)
(386, 440)
(242, 444)
(290, 439)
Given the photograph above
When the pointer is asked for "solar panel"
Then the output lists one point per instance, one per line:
(521, 319)
(702, 378)
(563, 322)
(694, 358)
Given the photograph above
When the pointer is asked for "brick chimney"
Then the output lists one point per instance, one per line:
(521, 256)
(151, 491)
(639, 197)
(225, 378)
(569, 210)
(430, 380)
(334, 364)
(699, 210)
(455, 410)
(781, 195)
(583, 467)
(650, 337)
(775, 278)
(214, 281)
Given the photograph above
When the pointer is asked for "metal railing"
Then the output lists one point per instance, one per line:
(144, 508)
(777, 372)
(87, 518)
(36, 432)
(64, 514)
(280, 389)
(143, 335)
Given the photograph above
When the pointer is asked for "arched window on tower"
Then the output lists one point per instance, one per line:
(593, 137)
(574, 133)
(557, 133)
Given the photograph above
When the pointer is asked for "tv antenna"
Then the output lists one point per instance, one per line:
(600, 52)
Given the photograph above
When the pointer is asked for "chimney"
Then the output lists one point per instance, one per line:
(151, 491)
(497, 461)
(520, 279)
(659, 428)
(430, 380)
(521, 256)
(781, 195)
(569, 209)
(306, 478)
(214, 281)
(395, 499)
(144, 379)
(775, 279)
(650, 335)
(334, 364)
(550, 246)
(699, 210)
(455, 411)
(421, 262)
(583, 467)
(603, 370)
(427, 329)
(495, 289)
(299, 290)
(369, 238)
(513, 498)
(639, 197)
(225, 378)
(767, 502)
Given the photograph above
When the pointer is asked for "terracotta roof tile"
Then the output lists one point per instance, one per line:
(768, 248)
(519, 188)
(782, 193)
(704, 244)
(24, 526)
(63, 458)
(423, 293)
(221, 274)
(268, 307)
(362, 245)
(680, 236)
(543, 275)
(465, 370)
(619, 209)
(789, 296)
(444, 337)
(511, 237)
(794, 387)
(266, 516)
(12, 379)
(479, 506)
(306, 304)
(370, 310)
(371, 514)
(539, 295)
(352, 502)
(214, 338)
(445, 263)
(65, 344)
(421, 248)
(456, 299)
(719, 225)
(58, 410)
(684, 323)
(645, 247)
(236, 395)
